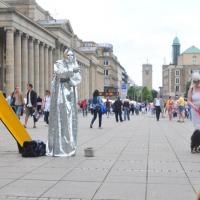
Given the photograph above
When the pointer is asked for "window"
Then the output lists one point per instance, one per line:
(177, 72)
(194, 60)
(177, 88)
(105, 62)
(106, 53)
(106, 72)
(177, 80)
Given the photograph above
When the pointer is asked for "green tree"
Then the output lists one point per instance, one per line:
(133, 93)
(146, 94)
(154, 93)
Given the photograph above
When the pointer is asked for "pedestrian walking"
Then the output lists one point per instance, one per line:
(47, 102)
(96, 106)
(194, 100)
(19, 102)
(84, 106)
(132, 108)
(181, 109)
(39, 105)
(169, 106)
(117, 107)
(108, 105)
(126, 108)
(11, 100)
(31, 103)
(157, 105)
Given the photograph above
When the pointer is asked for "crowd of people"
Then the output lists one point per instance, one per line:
(179, 108)
(31, 104)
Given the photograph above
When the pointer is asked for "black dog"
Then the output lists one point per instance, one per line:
(195, 142)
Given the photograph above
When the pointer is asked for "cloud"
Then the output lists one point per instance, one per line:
(137, 29)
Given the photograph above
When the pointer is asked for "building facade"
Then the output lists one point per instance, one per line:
(102, 56)
(147, 76)
(109, 61)
(96, 71)
(176, 76)
(30, 42)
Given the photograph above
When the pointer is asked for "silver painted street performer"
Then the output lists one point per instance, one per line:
(62, 137)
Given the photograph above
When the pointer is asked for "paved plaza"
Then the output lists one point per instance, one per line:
(140, 159)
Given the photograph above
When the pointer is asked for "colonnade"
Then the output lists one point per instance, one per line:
(29, 60)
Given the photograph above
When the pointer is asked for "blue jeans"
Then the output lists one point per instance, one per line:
(126, 113)
(18, 110)
(95, 116)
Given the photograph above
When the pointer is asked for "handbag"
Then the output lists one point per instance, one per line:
(34, 148)
(103, 108)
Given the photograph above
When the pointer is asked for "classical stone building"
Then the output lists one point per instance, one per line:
(30, 42)
(175, 76)
(147, 75)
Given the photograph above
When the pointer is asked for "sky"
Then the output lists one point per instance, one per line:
(140, 31)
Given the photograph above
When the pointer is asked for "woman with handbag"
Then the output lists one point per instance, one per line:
(194, 99)
(97, 103)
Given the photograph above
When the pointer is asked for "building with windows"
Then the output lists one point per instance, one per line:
(114, 73)
(96, 71)
(110, 63)
(30, 42)
(176, 75)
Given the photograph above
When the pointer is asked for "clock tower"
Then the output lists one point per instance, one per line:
(147, 75)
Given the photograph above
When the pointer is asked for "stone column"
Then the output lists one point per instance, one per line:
(46, 66)
(57, 50)
(18, 61)
(24, 63)
(82, 83)
(61, 51)
(54, 56)
(30, 61)
(36, 66)
(50, 68)
(41, 70)
(9, 59)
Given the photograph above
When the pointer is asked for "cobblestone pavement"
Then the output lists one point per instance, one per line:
(140, 159)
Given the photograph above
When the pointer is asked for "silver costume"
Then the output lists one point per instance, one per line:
(62, 137)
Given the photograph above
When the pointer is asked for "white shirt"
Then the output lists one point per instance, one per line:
(47, 102)
(157, 102)
(29, 100)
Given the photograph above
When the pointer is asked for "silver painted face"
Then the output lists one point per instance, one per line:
(70, 56)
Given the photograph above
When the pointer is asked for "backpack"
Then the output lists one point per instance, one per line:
(34, 148)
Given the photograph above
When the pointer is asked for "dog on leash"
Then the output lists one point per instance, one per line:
(195, 142)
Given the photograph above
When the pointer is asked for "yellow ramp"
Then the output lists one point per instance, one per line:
(11, 121)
